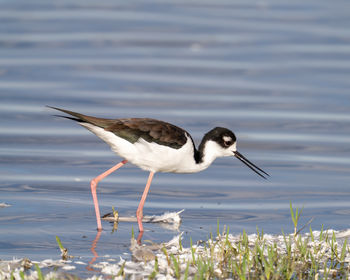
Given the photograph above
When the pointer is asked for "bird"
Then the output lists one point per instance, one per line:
(157, 146)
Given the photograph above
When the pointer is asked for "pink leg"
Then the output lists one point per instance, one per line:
(94, 183)
(139, 212)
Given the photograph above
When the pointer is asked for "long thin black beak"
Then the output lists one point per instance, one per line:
(251, 165)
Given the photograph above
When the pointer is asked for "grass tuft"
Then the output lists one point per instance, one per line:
(314, 255)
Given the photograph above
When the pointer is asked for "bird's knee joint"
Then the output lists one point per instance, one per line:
(139, 214)
(93, 183)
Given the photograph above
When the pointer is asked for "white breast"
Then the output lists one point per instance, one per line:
(150, 156)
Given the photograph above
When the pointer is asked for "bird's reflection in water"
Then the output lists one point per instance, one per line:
(94, 252)
(140, 252)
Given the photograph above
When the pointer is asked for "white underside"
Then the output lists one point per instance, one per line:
(152, 156)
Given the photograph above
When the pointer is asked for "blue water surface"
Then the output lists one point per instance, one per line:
(275, 72)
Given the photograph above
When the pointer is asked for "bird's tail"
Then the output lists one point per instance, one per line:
(84, 118)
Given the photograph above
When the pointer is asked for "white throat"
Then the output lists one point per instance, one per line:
(211, 151)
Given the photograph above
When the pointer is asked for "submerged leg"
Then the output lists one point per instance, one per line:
(94, 183)
(139, 212)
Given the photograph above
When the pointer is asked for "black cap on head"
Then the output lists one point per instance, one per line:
(223, 136)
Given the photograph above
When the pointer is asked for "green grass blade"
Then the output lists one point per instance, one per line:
(58, 240)
(176, 266)
(38, 271)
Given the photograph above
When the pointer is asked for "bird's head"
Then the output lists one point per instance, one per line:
(222, 142)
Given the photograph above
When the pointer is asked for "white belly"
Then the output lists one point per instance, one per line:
(150, 156)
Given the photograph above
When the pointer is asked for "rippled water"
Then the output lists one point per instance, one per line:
(277, 73)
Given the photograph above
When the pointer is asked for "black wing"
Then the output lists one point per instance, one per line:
(131, 129)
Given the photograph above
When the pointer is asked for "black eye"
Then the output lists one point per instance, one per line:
(227, 143)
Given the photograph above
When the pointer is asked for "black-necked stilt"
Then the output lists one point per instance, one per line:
(157, 146)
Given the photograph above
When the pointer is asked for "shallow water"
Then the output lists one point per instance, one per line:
(274, 72)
